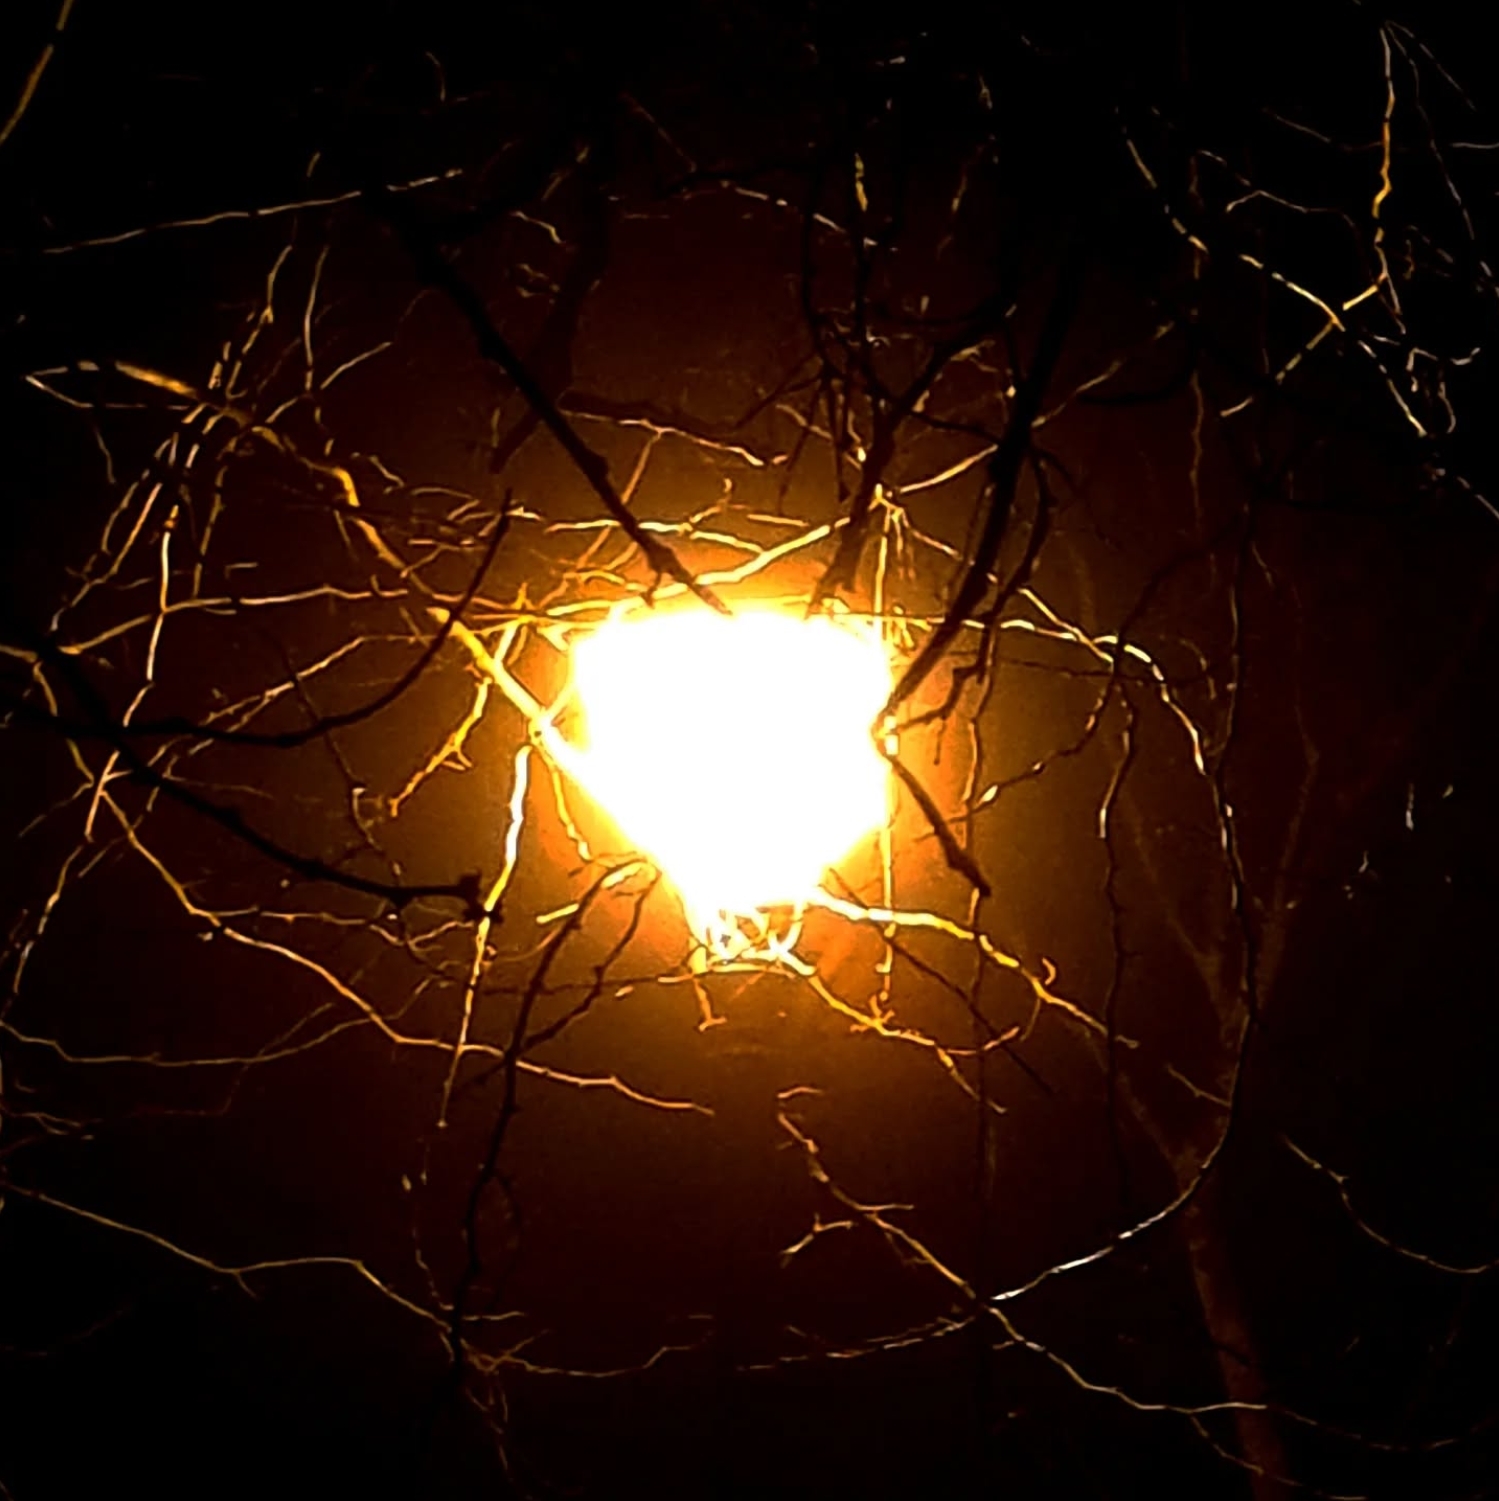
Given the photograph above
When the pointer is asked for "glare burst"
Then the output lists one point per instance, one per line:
(737, 753)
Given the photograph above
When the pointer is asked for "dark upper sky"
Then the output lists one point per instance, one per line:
(1132, 372)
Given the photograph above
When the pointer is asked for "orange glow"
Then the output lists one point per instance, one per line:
(734, 751)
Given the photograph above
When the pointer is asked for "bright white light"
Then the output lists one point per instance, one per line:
(734, 751)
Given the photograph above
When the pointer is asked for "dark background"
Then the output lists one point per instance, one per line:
(659, 210)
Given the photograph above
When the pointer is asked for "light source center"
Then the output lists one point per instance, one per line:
(735, 751)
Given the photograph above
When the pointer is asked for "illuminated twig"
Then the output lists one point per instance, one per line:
(33, 78)
(1340, 1182)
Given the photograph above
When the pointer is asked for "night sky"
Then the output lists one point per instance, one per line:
(1120, 1123)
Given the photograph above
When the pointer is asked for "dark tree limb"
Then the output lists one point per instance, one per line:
(434, 269)
(1004, 474)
